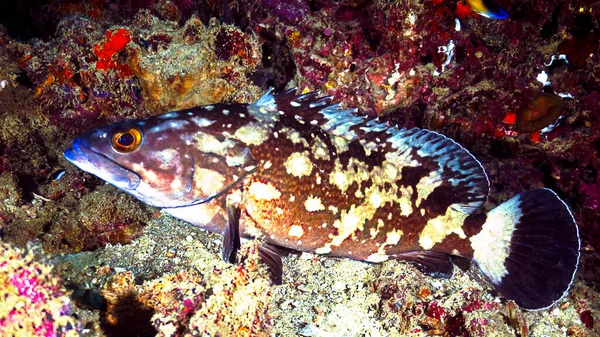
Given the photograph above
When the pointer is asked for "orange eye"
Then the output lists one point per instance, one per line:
(127, 141)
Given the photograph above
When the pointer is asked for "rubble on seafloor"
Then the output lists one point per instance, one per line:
(494, 86)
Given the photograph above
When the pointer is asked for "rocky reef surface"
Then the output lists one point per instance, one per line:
(521, 94)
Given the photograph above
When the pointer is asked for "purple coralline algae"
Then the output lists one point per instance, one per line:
(34, 303)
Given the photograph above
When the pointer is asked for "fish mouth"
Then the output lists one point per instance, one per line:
(95, 163)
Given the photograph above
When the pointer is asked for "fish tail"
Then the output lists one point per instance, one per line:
(529, 248)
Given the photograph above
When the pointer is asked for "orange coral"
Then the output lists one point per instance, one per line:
(115, 42)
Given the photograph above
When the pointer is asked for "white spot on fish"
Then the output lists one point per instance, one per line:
(332, 209)
(376, 258)
(262, 191)
(296, 231)
(437, 229)
(323, 250)
(252, 134)
(225, 112)
(208, 182)
(176, 184)
(319, 149)
(313, 204)
(209, 107)
(201, 122)
(150, 176)
(298, 164)
(339, 179)
(350, 221)
(210, 144)
(375, 199)
(295, 104)
(167, 155)
(172, 125)
(168, 115)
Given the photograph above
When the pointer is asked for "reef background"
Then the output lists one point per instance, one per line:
(121, 267)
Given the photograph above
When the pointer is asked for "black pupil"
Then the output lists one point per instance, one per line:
(126, 139)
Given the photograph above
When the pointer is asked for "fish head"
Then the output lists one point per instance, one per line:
(162, 162)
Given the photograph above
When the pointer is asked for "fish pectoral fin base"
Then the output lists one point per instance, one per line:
(434, 264)
(529, 249)
(231, 235)
(271, 256)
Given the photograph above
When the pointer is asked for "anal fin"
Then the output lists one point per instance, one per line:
(434, 264)
(271, 256)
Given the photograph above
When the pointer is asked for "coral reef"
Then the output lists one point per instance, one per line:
(76, 81)
(522, 94)
(34, 303)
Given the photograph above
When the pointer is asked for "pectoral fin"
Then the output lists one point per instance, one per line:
(231, 235)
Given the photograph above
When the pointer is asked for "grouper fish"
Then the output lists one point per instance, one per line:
(302, 173)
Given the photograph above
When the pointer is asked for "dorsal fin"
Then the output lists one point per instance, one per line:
(462, 176)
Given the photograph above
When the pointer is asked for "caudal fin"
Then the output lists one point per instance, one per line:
(528, 248)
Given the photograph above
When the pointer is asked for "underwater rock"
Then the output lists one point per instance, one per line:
(193, 65)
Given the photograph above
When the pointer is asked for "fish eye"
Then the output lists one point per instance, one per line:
(127, 141)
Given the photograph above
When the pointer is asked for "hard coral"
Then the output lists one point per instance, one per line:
(34, 303)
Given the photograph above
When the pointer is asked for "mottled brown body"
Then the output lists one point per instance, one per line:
(308, 185)
(286, 221)
(311, 188)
